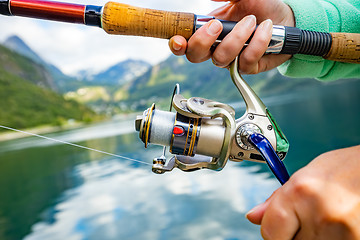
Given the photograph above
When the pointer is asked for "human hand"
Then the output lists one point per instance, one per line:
(321, 201)
(250, 12)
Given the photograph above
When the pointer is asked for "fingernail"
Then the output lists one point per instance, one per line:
(267, 24)
(254, 209)
(249, 21)
(214, 27)
(176, 45)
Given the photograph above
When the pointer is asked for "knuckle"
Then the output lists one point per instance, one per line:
(197, 58)
(220, 58)
(277, 212)
(337, 222)
(326, 155)
(304, 186)
(247, 65)
(281, 216)
(249, 58)
(197, 50)
(263, 40)
(333, 214)
(191, 58)
(242, 35)
(332, 218)
(198, 42)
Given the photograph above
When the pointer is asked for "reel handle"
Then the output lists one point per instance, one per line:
(267, 151)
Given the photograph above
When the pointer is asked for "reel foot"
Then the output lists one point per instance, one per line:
(160, 165)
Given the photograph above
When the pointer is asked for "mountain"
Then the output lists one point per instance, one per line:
(27, 100)
(18, 45)
(118, 74)
(133, 85)
(60, 82)
(98, 89)
(203, 80)
(26, 68)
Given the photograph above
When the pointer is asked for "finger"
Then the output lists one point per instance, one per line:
(178, 45)
(256, 214)
(229, 11)
(199, 44)
(280, 221)
(250, 57)
(269, 62)
(220, 11)
(232, 44)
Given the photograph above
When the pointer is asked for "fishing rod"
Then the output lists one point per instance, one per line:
(123, 19)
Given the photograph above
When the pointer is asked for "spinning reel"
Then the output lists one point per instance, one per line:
(204, 134)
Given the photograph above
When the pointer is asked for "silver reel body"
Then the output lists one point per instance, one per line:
(205, 134)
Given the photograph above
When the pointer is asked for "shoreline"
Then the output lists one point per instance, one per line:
(12, 135)
(9, 135)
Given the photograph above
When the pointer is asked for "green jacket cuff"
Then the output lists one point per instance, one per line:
(305, 11)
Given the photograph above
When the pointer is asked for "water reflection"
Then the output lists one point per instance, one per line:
(53, 191)
(117, 201)
(33, 179)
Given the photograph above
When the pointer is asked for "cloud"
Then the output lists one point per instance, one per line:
(74, 47)
(115, 199)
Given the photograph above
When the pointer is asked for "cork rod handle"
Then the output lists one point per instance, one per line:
(124, 19)
(345, 47)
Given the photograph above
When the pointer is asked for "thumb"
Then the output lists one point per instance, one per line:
(256, 214)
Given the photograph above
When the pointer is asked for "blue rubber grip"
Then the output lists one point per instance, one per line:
(268, 153)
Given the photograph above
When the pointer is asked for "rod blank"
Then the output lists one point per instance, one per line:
(56, 11)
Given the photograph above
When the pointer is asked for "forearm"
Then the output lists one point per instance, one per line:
(325, 16)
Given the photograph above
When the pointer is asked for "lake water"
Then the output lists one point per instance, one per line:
(54, 191)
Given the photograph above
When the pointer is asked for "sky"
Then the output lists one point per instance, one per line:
(75, 47)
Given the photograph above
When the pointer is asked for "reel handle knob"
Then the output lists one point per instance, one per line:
(272, 159)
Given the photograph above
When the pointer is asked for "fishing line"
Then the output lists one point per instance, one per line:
(74, 145)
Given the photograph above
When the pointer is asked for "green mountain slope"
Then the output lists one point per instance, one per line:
(25, 68)
(59, 81)
(203, 80)
(26, 100)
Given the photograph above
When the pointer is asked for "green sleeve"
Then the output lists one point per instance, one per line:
(323, 16)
